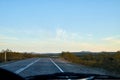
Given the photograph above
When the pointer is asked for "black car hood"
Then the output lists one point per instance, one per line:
(70, 75)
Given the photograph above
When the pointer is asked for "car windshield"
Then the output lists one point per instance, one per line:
(39, 37)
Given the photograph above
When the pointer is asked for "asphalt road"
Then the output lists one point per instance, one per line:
(38, 66)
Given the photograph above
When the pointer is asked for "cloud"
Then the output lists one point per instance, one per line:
(61, 34)
(112, 39)
(7, 38)
(108, 38)
(90, 35)
(64, 35)
(21, 31)
(54, 45)
(3, 44)
(59, 40)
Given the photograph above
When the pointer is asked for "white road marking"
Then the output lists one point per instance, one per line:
(22, 69)
(56, 65)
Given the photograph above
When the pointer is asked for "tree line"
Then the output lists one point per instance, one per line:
(11, 55)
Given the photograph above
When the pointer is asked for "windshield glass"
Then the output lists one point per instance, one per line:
(40, 37)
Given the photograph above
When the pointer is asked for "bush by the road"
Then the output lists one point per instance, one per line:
(15, 55)
(106, 60)
(70, 57)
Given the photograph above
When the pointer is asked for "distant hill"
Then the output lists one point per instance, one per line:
(88, 52)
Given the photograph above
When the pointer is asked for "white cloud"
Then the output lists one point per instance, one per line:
(58, 46)
(108, 38)
(61, 34)
(62, 41)
(3, 44)
(64, 35)
(7, 38)
(90, 35)
(112, 39)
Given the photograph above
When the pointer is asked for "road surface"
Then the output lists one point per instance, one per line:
(38, 66)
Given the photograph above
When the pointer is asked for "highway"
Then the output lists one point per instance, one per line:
(38, 66)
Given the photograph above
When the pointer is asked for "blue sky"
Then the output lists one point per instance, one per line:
(60, 25)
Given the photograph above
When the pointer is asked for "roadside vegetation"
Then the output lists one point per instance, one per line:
(12, 56)
(106, 60)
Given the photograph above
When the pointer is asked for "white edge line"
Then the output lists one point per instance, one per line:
(56, 65)
(22, 69)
